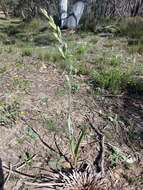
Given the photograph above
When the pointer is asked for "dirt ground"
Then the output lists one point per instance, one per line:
(34, 95)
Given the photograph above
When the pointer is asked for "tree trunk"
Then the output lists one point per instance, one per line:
(4, 8)
(63, 12)
(71, 19)
(76, 14)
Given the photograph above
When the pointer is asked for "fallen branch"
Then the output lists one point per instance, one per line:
(6, 168)
(43, 184)
(40, 138)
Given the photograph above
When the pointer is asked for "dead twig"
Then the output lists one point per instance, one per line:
(43, 184)
(21, 165)
(40, 138)
(102, 145)
(6, 168)
(9, 174)
(61, 154)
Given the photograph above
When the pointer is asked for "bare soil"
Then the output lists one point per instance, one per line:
(41, 92)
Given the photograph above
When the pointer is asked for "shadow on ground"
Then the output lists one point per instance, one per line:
(1, 176)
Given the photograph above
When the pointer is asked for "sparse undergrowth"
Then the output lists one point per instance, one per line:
(107, 65)
(32, 72)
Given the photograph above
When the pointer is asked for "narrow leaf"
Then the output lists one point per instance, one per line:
(79, 142)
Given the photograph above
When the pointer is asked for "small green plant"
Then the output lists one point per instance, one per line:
(110, 79)
(80, 50)
(115, 158)
(118, 156)
(22, 84)
(44, 100)
(27, 52)
(28, 158)
(75, 87)
(74, 143)
(31, 134)
(49, 124)
(9, 113)
(9, 49)
(115, 61)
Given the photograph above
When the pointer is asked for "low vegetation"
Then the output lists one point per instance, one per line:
(65, 97)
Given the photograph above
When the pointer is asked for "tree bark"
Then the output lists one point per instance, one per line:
(63, 12)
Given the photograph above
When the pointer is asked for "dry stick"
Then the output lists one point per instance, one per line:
(9, 174)
(47, 146)
(40, 138)
(102, 155)
(30, 176)
(6, 168)
(11, 170)
(102, 145)
(25, 162)
(43, 184)
(61, 154)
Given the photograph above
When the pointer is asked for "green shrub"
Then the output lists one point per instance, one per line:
(132, 28)
(33, 25)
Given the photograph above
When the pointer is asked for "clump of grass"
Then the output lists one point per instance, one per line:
(9, 113)
(22, 84)
(103, 62)
(51, 55)
(9, 49)
(115, 61)
(81, 68)
(27, 51)
(110, 80)
(50, 125)
(77, 51)
(114, 79)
